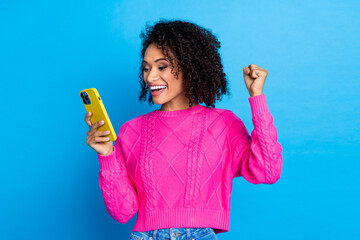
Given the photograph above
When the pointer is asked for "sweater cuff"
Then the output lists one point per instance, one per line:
(108, 162)
(258, 104)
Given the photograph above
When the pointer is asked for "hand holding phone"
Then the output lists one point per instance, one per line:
(101, 135)
(98, 140)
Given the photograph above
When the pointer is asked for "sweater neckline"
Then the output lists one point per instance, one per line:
(187, 111)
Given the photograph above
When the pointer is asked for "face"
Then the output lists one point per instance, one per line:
(157, 72)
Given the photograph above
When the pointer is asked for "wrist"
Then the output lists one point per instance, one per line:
(255, 94)
(110, 152)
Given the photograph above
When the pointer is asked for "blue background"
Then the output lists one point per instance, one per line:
(50, 50)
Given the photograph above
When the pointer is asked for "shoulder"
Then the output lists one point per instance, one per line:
(227, 120)
(226, 116)
(133, 124)
(135, 121)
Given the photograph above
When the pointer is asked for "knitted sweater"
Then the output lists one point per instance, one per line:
(175, 168)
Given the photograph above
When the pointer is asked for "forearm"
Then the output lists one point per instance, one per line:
(120, 196)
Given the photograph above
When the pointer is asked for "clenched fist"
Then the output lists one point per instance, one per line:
(254, 77)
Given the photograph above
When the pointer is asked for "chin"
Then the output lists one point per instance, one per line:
(158, 102)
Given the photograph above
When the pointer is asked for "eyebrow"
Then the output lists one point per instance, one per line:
(156, 60)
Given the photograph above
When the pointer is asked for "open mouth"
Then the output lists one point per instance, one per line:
(158, 91)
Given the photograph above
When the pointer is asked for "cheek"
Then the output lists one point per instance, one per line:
(167, 76)
(145, 77)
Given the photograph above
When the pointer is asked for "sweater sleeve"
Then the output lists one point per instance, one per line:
(257, 158)
(120, 196)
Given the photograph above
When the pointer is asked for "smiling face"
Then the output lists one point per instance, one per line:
(157, 71)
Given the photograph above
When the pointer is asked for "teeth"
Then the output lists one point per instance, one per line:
(157, 87)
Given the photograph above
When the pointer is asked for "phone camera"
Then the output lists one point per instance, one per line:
(85, 98)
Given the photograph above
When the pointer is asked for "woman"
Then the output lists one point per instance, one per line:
(174, 166)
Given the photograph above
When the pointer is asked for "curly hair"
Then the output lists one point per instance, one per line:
(195, 51)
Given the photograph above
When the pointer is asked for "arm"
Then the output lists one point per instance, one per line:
(257, 157)
(119, 194)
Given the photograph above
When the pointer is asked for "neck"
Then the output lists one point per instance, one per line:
(177, 113)
(164, 108)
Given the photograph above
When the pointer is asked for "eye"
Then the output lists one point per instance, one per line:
(162, 68)
(145, 69)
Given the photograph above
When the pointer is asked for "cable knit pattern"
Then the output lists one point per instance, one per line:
(175, 168)
(267, 145)
(194, 159)
(146, 160)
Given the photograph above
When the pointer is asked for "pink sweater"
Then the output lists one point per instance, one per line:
(175, 168)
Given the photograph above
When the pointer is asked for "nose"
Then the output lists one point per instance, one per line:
(153, 75)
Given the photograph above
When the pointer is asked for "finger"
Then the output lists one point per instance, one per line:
(87, 119)
(247, 77)
(101, 139)
(254, 74)
(101, 133)
(253, 66)
(91, 140)
(96, 126)
(246, 70)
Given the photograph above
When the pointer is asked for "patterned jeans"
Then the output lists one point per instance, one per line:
(176, 234)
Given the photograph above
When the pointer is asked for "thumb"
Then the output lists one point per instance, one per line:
(247, 78)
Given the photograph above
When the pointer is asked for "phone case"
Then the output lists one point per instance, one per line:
(93, 103)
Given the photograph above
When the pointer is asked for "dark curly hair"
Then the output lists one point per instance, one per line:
(195, 50)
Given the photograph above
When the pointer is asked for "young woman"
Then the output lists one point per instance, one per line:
(174, 166)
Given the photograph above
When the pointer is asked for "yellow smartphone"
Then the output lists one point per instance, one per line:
(93, 103)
